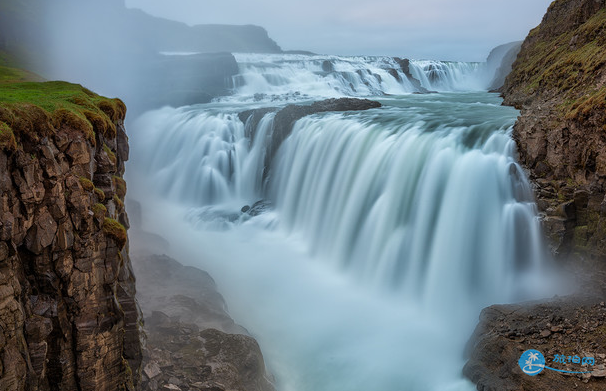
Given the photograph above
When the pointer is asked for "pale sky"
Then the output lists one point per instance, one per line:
(463, 30)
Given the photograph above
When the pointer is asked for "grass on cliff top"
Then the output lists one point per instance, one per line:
(31, 110)
(566, 66)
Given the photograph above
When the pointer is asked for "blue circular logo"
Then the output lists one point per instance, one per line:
(532, 362)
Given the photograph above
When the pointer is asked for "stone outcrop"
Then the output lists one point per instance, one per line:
(287, 116)
(68, 315)
(405, 67)
(192, 343)
(557, 327)
(559, 83)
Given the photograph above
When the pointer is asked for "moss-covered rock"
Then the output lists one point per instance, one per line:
(34, 110)
(116, 231)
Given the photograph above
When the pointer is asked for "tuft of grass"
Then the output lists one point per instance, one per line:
(119, 203)
(87, 184)
(57, 104)
(110, 154)
(100, 211)
(120, 185)
(116, 231)
(7, 138)
(100, 194)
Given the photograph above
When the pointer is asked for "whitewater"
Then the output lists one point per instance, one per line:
(377, 236)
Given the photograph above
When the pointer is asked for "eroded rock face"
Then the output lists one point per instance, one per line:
(68, 315)
(559, 83)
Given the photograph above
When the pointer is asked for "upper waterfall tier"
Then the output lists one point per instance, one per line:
(292, 77)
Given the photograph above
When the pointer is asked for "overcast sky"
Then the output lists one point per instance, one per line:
(435, 29)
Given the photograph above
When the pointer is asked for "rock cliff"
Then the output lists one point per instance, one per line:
(68, 315)
(559, 83)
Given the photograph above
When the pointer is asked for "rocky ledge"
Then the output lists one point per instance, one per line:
(192, 343)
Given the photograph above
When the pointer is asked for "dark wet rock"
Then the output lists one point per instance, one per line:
(405, 67)
(258, 208)
(328, 66)
(287, 116)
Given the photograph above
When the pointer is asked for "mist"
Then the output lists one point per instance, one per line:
(435, 29)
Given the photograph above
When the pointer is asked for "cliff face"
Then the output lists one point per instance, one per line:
(68, 315)
(559, 83)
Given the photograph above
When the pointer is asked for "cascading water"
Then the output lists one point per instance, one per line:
(282, 77)
(390, 228)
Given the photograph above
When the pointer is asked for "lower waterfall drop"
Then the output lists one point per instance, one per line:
(390, 229)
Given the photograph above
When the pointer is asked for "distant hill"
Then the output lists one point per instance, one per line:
(116, 50)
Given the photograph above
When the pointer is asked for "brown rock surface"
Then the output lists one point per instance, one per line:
(68, 315)
(556, 327)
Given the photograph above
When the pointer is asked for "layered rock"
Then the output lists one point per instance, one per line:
(559, 83)
(68, 315)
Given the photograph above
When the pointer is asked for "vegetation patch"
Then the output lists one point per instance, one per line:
(100, 194)
(110, 154)
(120, 185)
(116, 231)
(87, 184)
(99, 210)
(35, 110)
(119, 203)
(566, 66)
(7, 138)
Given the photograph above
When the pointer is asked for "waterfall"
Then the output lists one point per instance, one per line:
(287, 77)
(382, 233)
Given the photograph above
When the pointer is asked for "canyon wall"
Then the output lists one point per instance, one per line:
(559, 83)
(68, 315)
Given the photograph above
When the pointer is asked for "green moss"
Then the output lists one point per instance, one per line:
(119, 203)
(7, 138)
(120, 185)
(57, 104)
(100, 194)
(99, 210)
(87, 184)
(565, 65)
(116, 231)
(110, 154)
